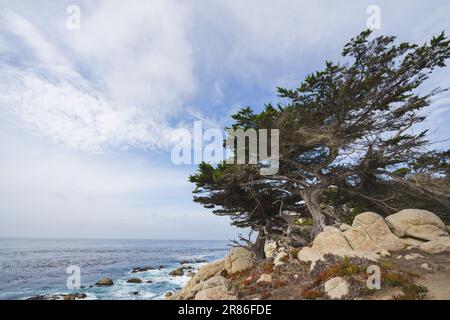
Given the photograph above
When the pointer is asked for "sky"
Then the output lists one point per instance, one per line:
(87, 114)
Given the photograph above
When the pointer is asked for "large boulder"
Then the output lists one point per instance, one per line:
(331, 241)
(239, 259)
(370, 232)
(415, 223)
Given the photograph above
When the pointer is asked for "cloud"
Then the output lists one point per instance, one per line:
(139, 71)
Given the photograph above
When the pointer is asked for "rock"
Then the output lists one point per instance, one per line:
(177, 272)
(216, 293)
(168, 294)
(426, 267)
(411, 241)
(344, 227)
(134, 280)
(210, 270)
(141, 269)
(420, 224)
(270, 248)
(336, 288)
(190, 274)
(67, 297)
(399, 257)
(369, 255)
(239, 259)
(193, 261)
(384, 253)
(370, 232)
(74, 296)
(436, 246)
(281, 258)
(265, 279)
(197, 282)
(413, 256)
(307, 254)
(104, 282)
(331, 229)
(331, 241)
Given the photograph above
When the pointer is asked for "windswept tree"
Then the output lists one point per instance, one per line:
(344, 129)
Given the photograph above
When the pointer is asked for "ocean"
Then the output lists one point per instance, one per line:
(31, 267)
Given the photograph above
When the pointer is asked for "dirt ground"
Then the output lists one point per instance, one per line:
(436, 280)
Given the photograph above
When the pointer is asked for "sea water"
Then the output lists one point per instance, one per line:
(31, 267)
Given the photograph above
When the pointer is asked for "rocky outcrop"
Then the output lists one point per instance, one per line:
(418, 224)
(239, 259)
(369, 232)
(196, 283)
(351, 248)
(134, 280)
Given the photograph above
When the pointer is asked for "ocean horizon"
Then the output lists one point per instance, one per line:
(31, 267)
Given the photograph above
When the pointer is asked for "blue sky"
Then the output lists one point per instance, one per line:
(86, 115)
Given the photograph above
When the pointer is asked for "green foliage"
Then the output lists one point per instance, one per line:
(304, 222)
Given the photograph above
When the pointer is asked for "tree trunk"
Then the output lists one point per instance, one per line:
(312, 199)
(259, 245)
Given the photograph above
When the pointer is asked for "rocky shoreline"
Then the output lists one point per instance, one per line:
(410, 249)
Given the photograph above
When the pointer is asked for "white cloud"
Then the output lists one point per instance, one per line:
(139, 71)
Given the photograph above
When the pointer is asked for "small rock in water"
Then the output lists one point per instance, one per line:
(177, 272)
(134, 280)
(141, 269)
(105, 282)
(168, 294)
(193, 261)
